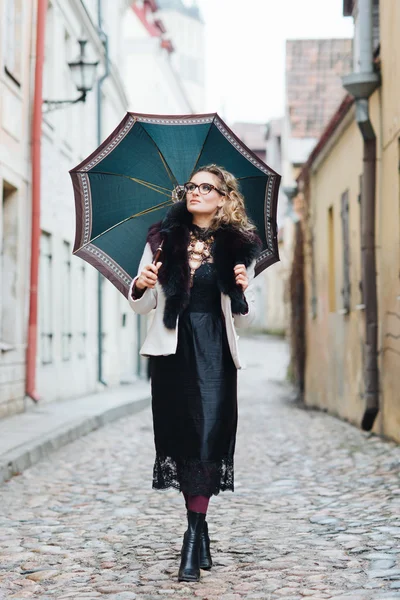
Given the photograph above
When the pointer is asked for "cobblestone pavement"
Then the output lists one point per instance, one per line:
(315, 512)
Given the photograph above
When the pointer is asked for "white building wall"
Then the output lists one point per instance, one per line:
(69, 368)
(152, 84)
(67, 358)
(187, 34)
(158, 81)
(15, 211)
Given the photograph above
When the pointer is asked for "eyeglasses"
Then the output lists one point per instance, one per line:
(204, 188)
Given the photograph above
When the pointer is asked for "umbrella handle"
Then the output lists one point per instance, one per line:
(155, 261)
(158, 254)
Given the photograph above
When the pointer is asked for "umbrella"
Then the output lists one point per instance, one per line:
(130, 181)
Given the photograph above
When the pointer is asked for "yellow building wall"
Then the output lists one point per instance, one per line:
(389, 222)
(335, 342)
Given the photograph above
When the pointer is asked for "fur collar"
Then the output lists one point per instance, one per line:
(231, 246)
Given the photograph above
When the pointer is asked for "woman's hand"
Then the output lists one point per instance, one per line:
(148, 277)
(241, 276)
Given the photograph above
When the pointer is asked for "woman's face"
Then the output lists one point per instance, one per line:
(204, 204)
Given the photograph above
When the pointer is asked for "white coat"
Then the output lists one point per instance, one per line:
(161, 341)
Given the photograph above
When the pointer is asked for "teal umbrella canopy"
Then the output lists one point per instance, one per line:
(134, 176)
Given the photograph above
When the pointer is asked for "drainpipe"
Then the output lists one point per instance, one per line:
(36, 181)
(361, 84)
(104, 39)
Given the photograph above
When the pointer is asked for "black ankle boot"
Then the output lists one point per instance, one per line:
(189, 569)
(205, 554)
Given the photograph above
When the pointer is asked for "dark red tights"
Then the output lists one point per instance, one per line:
(196, 503)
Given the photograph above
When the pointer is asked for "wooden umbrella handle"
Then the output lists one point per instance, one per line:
(158, 254)
(138, 293)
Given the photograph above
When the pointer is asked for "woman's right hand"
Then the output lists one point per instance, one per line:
(148, 277)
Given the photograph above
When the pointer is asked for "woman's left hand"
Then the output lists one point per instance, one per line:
(241, 276)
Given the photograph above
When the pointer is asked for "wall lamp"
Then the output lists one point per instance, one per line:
(83, 74)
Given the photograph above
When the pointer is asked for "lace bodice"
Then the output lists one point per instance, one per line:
(204, 294)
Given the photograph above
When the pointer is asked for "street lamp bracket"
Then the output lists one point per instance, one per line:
(83, 74)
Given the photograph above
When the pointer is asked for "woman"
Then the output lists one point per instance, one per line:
(200, 292)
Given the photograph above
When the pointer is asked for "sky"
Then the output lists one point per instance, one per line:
(245, 50)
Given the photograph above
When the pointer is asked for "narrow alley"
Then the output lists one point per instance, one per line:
(314, 513)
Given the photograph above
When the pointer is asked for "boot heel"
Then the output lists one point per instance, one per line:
(205, 554)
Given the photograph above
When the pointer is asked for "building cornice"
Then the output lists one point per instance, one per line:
(154, 27)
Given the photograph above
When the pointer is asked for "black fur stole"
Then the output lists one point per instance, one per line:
(231, 246)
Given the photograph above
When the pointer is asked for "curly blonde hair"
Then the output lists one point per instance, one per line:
(233, 211)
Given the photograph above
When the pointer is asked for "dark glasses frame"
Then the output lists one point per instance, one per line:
(198, 186)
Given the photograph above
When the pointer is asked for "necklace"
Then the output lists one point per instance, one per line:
(199, 251)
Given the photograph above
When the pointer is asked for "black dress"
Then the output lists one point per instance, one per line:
(194, 398)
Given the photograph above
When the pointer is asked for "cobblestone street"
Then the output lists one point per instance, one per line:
(315, 512)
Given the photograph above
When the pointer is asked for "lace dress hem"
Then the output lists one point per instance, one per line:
(194, 477)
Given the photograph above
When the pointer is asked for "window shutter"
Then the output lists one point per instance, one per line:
(346, 251)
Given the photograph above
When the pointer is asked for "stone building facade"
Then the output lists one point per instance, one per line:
(80, 348)
(17, 22)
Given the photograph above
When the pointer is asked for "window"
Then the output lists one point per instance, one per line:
(66, 317)
(49, 80)
(360, 287)
(193, 69)
(314, 302)
(81, 311)
(189, 68)
(8, 265)
(66, 125)
(45, 299)
(12, 39)
(331, 261)
(346, 251)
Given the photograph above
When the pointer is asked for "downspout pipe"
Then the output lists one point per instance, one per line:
(104, 38)
(361, 85)
(30, 386)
